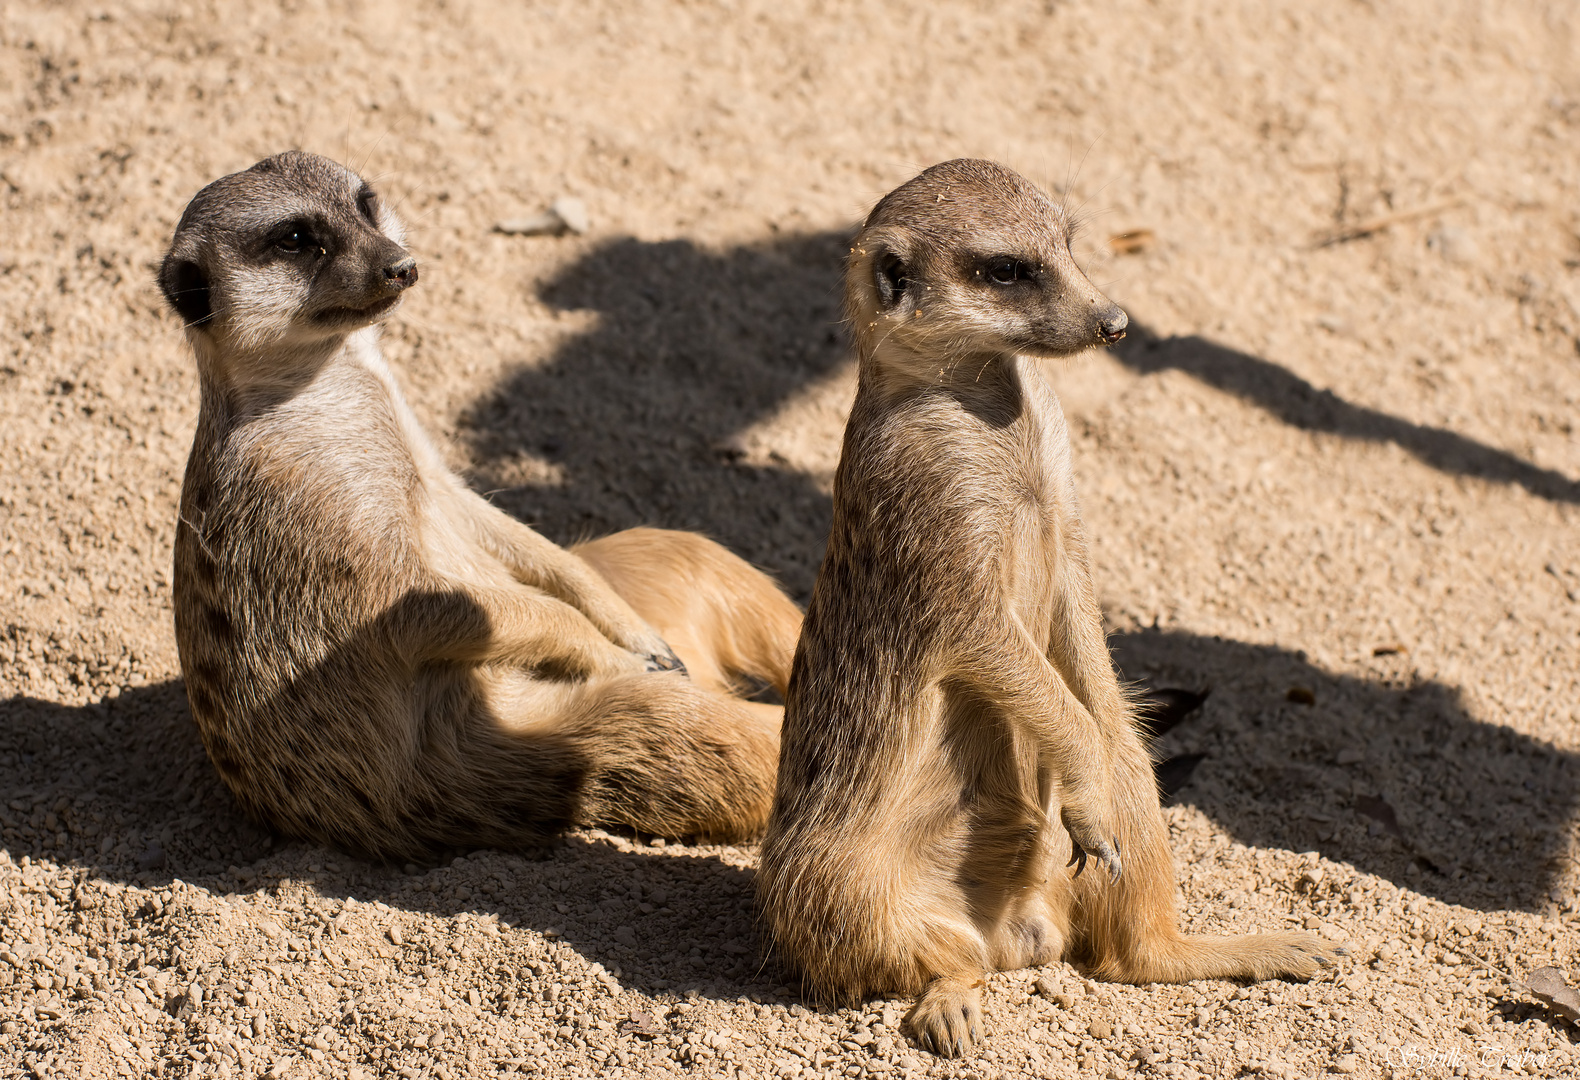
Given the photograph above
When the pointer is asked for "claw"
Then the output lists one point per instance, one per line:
(671, 662)
(1077, 855)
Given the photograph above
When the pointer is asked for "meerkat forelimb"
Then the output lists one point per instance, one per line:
(376, 657)
(956, 740)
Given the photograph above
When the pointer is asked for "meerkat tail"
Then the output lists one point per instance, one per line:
(1132, 929)
(723, 617)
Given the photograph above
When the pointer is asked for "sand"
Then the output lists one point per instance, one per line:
(1332, 475)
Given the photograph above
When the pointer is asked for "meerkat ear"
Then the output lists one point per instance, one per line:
(890, 277)
(186, 290)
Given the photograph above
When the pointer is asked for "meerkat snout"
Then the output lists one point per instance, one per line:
(1111, 326)
(403, 274)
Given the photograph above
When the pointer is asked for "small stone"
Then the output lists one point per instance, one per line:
(573, 212)
(394, 934)
(565, 214)
(270, 929)
(1345, 1063)
(1100, 1029)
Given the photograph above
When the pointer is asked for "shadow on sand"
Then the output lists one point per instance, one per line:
(1297, 403)
(691, 347)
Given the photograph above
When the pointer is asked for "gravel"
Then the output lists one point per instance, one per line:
(1332, 476)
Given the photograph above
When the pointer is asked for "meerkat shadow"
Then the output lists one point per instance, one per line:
(1399, 781)
(1296, 402)
(120, 787)
(676, 921)
(124, 791)
(639, 420)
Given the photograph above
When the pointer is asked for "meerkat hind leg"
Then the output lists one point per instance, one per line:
(723, 617)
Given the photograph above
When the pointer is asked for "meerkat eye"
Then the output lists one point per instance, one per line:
(368, 203)
(295, 238)
(1003, 270)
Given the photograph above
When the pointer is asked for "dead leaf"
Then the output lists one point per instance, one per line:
(644, 1024)
(1548, 984)
(1377, 808)
(1301, 695)
(1133, 242)
(1392, 648)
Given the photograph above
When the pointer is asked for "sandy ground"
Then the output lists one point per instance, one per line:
(1337, 483)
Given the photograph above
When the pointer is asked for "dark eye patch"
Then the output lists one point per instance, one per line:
(368, 204)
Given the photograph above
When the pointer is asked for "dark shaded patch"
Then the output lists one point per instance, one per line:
(218, 621)
(1377, 808)
(203, 701)
(1164, 708)
(1175, 772)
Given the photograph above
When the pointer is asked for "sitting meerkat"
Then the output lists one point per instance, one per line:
(955, 733)
(376, 657)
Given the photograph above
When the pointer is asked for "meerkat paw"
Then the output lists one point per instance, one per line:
(1297, 954)
(1087, 842)
(947, 1019)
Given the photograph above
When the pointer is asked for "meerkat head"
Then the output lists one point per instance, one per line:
(294, 252)
(970, 260)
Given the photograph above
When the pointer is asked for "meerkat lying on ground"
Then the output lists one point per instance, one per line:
(955, 733)
(376, 657)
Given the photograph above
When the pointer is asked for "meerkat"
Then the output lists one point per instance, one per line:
(376, 657)
(955, 736)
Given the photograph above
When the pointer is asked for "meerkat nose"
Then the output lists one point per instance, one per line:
(401, 275)
(1111, 327)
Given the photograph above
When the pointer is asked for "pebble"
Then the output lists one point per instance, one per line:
(565, 214)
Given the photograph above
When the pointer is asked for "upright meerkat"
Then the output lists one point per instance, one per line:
(955, 734)
(376, 657)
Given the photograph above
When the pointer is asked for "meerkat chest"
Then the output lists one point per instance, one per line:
(1041, 514)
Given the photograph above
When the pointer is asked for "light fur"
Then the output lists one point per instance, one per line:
(955, 733)
(376, 657)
